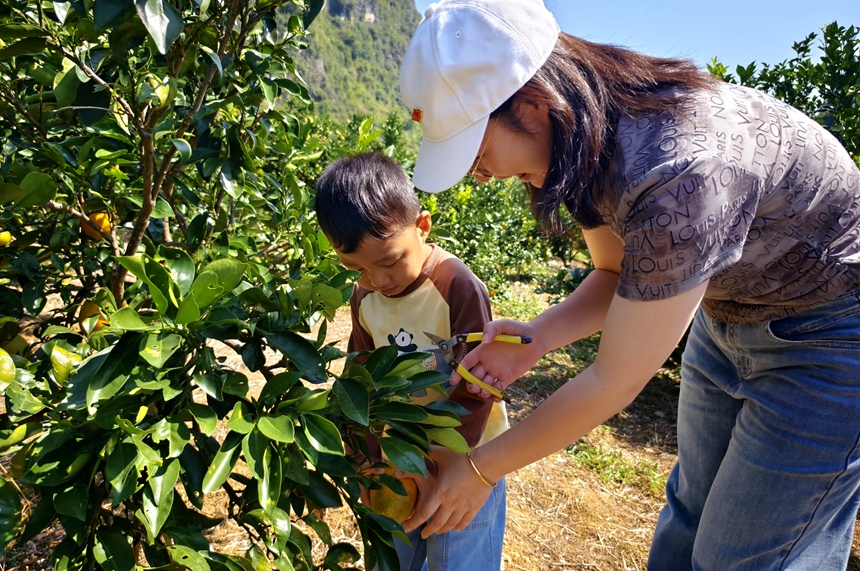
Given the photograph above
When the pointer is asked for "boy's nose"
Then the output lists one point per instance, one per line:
(380, 281)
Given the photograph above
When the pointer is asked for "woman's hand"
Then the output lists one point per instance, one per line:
(497, 363)
(453, 499)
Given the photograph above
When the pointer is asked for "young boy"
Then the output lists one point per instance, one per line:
(368, 209)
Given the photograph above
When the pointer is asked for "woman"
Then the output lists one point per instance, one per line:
(689, 192)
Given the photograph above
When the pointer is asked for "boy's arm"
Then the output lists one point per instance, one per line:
(470, 310)
(359, 339)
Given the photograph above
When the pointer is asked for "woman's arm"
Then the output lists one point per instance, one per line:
(637, 338)
(580, 315)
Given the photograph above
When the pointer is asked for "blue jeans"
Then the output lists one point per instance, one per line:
(476, 548)
(768, 461)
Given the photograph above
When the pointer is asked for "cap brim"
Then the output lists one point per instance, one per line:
(442, 164)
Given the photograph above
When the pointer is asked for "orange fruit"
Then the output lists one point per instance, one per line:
(5, 238)
(385, 501)
(100, 219)
(88, 309)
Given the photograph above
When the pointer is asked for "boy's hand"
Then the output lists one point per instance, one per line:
(500, 364)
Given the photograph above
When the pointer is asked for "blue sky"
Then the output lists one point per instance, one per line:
(736, 31)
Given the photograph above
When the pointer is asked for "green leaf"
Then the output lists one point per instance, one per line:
(113, 372)
(181, 266)
(401, 411)
(405, 456)
(163, 480)
(449, 438)
(25, 46)
(426, 379)
(314, 400)
(189, 558)
(139, 266)
(215, 59)
(152, 514)
(72, 501)
(205, 417)
(111, 13)
(312, 10)
(301, 353)
(10, 513)
(253, 446)
(279, 428)
(403, 364)
(129, 320)
(441, 420)
(320, 491)
(380, 361)
(270, 90)
(193, 471)
(216, 279)
(161, 209)
(9, 438)
(121, 471)
(222, 464)
(354, 400)
(322, 434)
(14, 31)
(229, 272)
(270, 484)
(241, 419)
(39, 188)
(184, 149)
(113, 551)
(340, 555)
(157, 348)
(277, 386)
(10, 192)
(162, 21)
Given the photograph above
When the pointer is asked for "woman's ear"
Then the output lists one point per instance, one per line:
(424, 223)
(533, 117)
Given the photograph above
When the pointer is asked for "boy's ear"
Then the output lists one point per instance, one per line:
(424, 223)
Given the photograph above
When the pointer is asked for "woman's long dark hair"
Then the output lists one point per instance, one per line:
(587, 88)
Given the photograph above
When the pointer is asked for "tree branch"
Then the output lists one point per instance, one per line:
(23, 111)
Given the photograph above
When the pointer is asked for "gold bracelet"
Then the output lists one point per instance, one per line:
(478, 472)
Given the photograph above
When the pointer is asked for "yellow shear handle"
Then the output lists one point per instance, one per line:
(474, 380)
(472, 337)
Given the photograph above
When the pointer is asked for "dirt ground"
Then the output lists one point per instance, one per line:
(562, 514)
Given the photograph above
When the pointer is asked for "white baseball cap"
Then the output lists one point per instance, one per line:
(466, 59)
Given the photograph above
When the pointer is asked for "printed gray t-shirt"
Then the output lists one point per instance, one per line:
(744, 191)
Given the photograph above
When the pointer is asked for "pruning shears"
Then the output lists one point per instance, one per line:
(445, 347)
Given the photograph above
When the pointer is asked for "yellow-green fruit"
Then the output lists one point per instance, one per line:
(63, 362)
(17, 346)
(5, 238)
(100, 219)
(88, 309)
(7, 369)
(385, 501)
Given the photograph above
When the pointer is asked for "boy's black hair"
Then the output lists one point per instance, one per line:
(364, 195)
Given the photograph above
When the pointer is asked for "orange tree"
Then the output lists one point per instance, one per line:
(156, 163)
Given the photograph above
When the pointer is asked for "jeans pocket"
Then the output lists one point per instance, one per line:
(835, 324)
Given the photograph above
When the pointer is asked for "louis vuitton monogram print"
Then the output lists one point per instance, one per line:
(742, 190)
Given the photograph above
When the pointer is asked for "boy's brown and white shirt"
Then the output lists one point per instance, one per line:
(739, 189)
(445, 299)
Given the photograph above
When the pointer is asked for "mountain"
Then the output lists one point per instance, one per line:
(352, 66)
